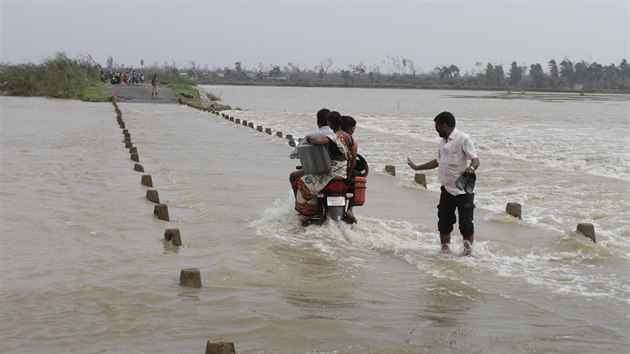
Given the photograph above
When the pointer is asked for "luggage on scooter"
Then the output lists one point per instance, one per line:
(314, 158)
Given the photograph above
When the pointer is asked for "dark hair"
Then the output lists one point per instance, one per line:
(334, 119)
(445, 118)
(322, 117)
(347, 123)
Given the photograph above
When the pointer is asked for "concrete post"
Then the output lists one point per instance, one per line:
(514, 209)
(138, 167)
(259, 128)
(587, 230)
(190, 277)
(161, 210)
(391, 169)
(153, 196)
(421, 178)
(133, 150)
(279, 134)
(268, 131)
(173, 236)
(128, 145)
(220, 348)
(135, 157)
(146, 180)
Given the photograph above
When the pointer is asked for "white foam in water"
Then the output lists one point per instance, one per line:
(557, 270)
(560, 178)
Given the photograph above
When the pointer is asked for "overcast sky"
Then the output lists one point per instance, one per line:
(220, 33)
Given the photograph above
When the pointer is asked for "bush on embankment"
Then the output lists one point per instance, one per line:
(184, 92)
(56, 77)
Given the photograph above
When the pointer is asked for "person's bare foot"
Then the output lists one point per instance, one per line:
(350, 216)
(467, 248)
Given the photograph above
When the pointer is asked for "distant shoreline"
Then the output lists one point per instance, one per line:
(412, 87)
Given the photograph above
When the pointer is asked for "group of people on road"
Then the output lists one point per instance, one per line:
(456, 161)
(130, 77)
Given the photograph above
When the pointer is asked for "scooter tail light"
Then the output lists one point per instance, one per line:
(336, 187)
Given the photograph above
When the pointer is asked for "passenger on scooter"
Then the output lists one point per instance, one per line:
(348, 125)
(324, 130)
(342, 156)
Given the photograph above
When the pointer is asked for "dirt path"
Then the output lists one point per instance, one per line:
(142, 93)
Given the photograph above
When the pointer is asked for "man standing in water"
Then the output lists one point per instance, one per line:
(154, 86)
(456, 154)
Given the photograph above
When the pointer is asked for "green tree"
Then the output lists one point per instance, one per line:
(553, 73)
(275, 71)
(566, 72)
(495, 76)
(538, 76)
(515, 74)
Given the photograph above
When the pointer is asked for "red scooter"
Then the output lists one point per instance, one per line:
(339, 194)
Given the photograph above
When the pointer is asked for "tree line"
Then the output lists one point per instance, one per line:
(63, 77)
(400, 72)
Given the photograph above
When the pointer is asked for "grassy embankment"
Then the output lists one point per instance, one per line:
(56, 77)
(63, 77)
(190, 95)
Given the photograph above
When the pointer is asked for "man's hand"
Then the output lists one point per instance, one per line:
(411, 164)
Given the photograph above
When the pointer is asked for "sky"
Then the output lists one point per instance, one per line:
(260, 34)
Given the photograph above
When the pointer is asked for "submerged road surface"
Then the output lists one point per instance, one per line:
(142, 93)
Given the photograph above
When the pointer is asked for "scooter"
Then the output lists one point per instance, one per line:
(334, 199)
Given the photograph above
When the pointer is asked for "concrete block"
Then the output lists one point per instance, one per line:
(587, 230)
(153, 196)
(513, 209)
(220, 348)
(190, 277)
(173, 236)
(421, 178)
(391, 169)
(161, 210)
(146, 180)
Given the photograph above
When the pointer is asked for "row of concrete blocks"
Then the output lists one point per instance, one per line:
(160, 210)
(512, 208)
(243, 122)
(189, 277)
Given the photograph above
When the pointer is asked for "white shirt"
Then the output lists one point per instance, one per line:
(323, 131)
(454, 155)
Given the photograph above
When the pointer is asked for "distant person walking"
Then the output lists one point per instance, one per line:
(456, 156)
(154, 86)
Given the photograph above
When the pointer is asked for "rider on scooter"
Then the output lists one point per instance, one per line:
(324, 130)
(342, 156)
